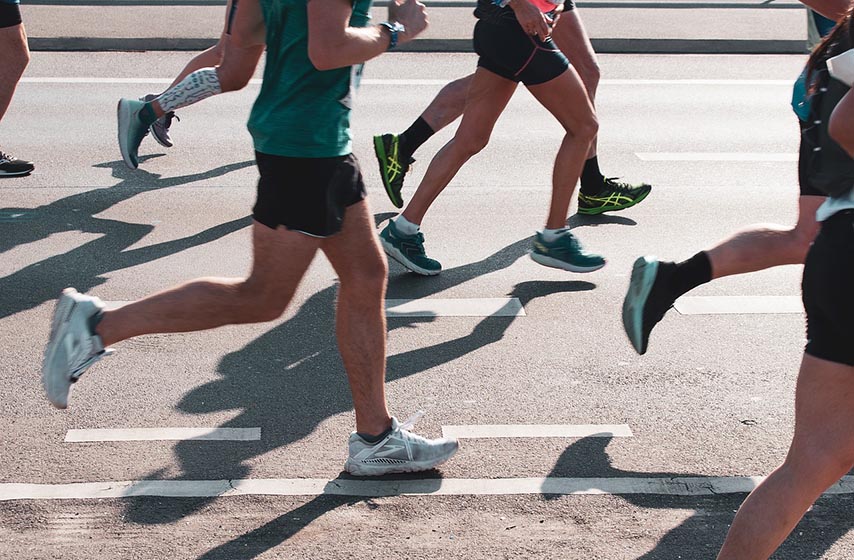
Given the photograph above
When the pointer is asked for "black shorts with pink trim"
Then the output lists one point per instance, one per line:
(505, 49)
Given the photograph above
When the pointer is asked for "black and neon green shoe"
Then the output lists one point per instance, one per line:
(392, 170)
(613, 196)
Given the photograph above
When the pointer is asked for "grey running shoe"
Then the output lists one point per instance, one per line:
(160, 128)
(10, 166)
(73, 346)
(399, 452)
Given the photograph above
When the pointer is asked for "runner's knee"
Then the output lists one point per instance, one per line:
(234, 77)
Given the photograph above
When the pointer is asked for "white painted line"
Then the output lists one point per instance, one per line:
(537, 431)
(409, 82)
(164, 434)
(470, 307)
(676, 486)
(436, 307)
(716, 156)
(720, 305)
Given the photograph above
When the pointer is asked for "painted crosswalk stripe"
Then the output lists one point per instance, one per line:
(470, 307)
(164, 434)
(536, 431)
(671, 486)
(720, 305)
(716, 156)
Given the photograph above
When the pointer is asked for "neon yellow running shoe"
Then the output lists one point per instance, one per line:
(613, 196)
(392, 170)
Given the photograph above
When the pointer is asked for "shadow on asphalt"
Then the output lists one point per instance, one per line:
(291, 379)
(702, 533)
(84, 267)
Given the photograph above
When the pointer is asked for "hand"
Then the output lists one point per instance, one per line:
(412, 15)
(532, 20)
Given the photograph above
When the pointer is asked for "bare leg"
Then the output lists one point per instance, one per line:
(448, 104)
(207, 58)
(571, 38)
(763, 246)
(16, 56)
(566, 99)
(360, 322)
(822, 451)
(487, 98)
(281, 257)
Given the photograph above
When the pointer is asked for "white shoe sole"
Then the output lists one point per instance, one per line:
(360, 469)
(555, 263)
(394, 253)
(53, 380)
(124, 115)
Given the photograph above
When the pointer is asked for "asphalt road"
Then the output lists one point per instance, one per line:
(712, 397)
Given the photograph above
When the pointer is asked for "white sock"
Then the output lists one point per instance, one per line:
(406, 227)
(549, 235)
(199, 85)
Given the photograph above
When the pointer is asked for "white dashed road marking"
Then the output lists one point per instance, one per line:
(537, 431)
(161, 434)
(718, 305)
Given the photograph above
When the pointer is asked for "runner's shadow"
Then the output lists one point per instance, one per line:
(85, 267)
(702, 533)
(290, 380)
(581, 220)
(272, 534)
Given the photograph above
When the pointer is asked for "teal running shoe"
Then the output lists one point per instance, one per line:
(408, 250)
(565, 253)
(647, 299)
(131, 130)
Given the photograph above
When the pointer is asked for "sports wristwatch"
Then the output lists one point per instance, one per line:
(394, 29)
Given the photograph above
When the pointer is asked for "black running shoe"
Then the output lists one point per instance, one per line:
(10, 166)
(647, 299)
(392, 169)
(613, 196)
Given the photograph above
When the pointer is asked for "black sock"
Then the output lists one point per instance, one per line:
(412, 138)
(591, 178)
(374, 439)
(691, 273)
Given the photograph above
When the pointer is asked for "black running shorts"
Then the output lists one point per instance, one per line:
(232, 11)
(506, 50)
(827, 291)
(309, 195)
(10, 15)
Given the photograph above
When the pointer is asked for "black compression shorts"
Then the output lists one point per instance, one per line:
(309, 195)
(10, 15)
(827, 291)
(506, 50)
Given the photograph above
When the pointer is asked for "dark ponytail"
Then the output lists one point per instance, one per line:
(839, 40)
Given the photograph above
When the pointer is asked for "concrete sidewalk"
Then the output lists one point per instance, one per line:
(621, 26)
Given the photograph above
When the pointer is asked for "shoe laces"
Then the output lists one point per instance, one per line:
(6, 157)
(405, 426)
(614, 184)
(167, 118)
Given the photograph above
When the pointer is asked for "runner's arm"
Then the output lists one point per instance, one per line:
(841, 126)
(832, 9)
(332, 43)
(248, 29)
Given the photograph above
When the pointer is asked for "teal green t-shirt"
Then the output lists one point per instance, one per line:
(301, 111)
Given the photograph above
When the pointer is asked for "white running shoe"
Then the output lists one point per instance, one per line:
(72, 346)
(399, 452)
